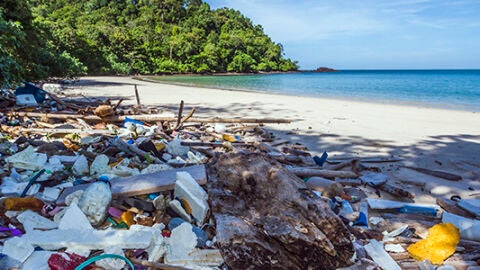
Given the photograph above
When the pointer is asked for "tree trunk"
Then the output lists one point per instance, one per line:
(266, 218)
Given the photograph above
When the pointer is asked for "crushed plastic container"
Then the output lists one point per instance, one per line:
(94, 202)
(439, 245)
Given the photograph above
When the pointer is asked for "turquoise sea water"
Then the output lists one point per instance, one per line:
(450, 89)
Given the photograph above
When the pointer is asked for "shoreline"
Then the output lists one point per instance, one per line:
(387, 102)
(436, 139)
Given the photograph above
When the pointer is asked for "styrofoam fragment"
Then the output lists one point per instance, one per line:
(122, 169)
(80, 167)
(10, 186)
(90, 239)
(38, 260)
(31, 221)
(176, 148)
(99, 165)
(397, 248)
(110, 263)
(182, 241)
(17, 248)
(54, 165)
(28, 159)
(187, 188)
(53, 87)
(74, 219)
(156, 168)
(380, 256)
(157, 248)
(79, 251)
(177, 207)
(51, 194)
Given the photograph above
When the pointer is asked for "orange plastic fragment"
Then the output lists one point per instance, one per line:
(439, 245)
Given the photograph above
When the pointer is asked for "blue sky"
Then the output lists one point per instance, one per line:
(370, 34)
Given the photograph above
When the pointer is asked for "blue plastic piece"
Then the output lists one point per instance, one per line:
(152, 196)
(136, 122)
(361, 220)
(320, 160)
(31, 181)
(410, 209)
(103, 178)
(29, 88)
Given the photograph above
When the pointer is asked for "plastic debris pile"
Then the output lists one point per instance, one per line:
(95, 184)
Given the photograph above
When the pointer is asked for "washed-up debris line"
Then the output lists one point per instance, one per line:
(92, 184)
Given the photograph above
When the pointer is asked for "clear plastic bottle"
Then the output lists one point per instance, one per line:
(94, 202)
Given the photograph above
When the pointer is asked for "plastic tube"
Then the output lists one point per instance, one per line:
(104, 256)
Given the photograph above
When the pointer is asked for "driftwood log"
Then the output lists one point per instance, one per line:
(150, 118)
(266, 218)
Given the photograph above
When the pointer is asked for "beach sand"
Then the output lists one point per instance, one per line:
(436, 139)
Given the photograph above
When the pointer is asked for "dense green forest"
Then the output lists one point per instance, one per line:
(45, 38)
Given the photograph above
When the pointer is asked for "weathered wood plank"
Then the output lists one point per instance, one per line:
(144, 183)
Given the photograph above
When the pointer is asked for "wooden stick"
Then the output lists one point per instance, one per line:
(307, 172)
(118, 104)
(152, 118)
(64, 131)
(342, 165)
(188, 116)
(213, 144)
(179, 117)
(452, 207)
(439, 174)
(59, 101)
(396, 191)
(132, 149)
(137, 96)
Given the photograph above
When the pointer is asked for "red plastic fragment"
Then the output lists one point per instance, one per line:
(66, 261)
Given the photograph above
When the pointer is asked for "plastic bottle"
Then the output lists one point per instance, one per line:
(94, 202)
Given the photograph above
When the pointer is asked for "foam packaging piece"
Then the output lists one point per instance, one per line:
(187, 188)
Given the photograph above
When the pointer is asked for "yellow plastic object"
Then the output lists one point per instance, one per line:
(439, 245)
(229, 138)
(159, 146)
(127, 217)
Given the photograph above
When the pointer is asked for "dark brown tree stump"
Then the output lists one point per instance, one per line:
(266, 218)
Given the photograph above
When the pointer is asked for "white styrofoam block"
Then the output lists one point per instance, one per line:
(28, 159)
(31, 221)
(99, 165)
(74, 219)
(17, 248)
(187, 188)
(90, 239)
(38, 260)
(110, 263)
(52, 87)
(80, 167)
(157, 248)
(182, 241)
(51, 194)
(177, 208)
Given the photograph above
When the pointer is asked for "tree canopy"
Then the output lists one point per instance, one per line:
(41, 38)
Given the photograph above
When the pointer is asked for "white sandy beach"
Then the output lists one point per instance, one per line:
(425, 137)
